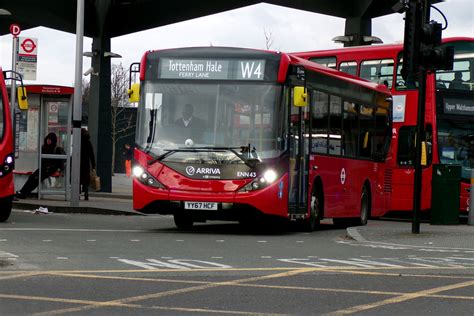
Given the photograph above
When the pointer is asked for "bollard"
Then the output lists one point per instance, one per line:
(470, 220)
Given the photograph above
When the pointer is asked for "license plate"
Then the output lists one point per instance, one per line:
(206, 206)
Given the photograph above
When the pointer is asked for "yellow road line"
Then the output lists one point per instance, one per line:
(21, 275)
(336, 268)
(179, 291)
(63, 300)
(399, 299)
(114, 304)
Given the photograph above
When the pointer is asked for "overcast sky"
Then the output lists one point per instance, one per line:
(292, 30)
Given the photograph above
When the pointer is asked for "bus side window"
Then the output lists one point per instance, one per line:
(350, 129)
(406, 146)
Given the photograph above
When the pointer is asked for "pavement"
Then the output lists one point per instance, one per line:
(392, 233)
(388, 233)
(117, 202)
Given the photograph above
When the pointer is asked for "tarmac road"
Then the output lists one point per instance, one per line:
(112, 265)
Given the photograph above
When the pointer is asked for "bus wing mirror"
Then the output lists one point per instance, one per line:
(300, 96)
(22, 99)
(424, 159)
(134, 93)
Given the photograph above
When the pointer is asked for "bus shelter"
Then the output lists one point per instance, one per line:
(50, 111)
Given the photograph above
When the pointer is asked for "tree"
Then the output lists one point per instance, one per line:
(123, 122)
(268, 38)
(86, 91)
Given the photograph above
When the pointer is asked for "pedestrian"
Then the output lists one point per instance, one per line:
(128, 153)
(87, 162)
(48, 166)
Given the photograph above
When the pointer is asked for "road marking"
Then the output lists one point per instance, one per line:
(303, 261)
(79, 230)
(132, 299)
(4, 254)
(262, 241)
(401, 298)
(47, 240)
(220, 240)
(3, 239)
(62, 258)
(184, 264)
(135, 240)
(21, 275)
(394, 246)
(91, 240)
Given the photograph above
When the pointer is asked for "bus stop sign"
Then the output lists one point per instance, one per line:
(15, 30)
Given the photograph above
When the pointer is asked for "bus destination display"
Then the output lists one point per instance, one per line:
(211, 69)
(458, 106)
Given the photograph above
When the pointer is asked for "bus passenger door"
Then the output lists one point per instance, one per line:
(299, 155)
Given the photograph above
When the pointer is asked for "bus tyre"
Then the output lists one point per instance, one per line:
(364, 207)
(5, 209)
(183, 221)
(312, 223)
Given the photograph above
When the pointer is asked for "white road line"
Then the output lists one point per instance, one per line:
(78, 230)
(411, 263)
(4, 254)
(348, 262)
(460, 258)
(62, 258)
(377, 263)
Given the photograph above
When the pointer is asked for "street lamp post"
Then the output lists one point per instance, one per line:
(77, 113)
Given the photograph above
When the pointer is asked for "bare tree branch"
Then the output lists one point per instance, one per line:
(122, 126)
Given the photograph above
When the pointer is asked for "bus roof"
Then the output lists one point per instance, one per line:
(339, 74)
(395, 48)
(280, 58)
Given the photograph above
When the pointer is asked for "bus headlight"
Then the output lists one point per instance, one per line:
(269, 176)
(7, 166)
(147, 179)
(138, 171)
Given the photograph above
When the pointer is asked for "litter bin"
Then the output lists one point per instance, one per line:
(445, 194)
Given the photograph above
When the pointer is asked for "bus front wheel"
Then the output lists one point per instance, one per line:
(5, 209)
(183, 221)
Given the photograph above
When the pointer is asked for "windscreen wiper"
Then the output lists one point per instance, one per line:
(168, 152)
(246, 158)
(244, 155)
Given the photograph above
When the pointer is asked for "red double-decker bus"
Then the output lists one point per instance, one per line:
(449, 115)
(233, 134)
(7, 155)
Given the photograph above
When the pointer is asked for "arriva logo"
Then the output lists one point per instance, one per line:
(208, 171)
(190, 170)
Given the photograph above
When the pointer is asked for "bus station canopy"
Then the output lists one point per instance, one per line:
(127, 16)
